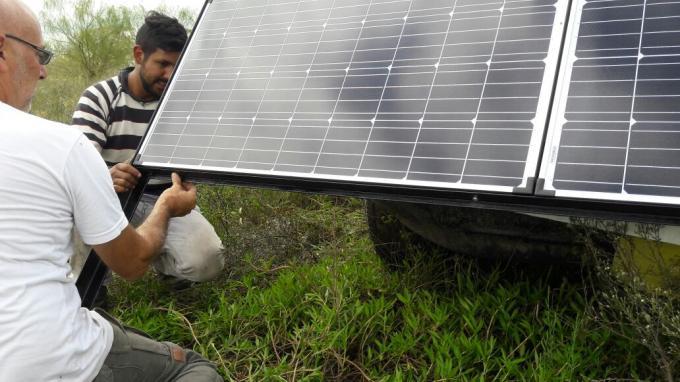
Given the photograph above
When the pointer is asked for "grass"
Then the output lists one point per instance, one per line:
(305, 298)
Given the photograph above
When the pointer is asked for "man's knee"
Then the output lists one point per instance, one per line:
(199, 368)
(135, 356)
(200, 264)
(193, 250)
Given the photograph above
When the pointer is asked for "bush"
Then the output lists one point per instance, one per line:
(636, 292)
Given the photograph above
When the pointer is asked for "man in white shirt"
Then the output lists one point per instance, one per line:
(52, 179)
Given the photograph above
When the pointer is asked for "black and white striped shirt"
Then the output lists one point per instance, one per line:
(113, 119)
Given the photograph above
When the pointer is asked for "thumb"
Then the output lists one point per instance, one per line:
(176, 180)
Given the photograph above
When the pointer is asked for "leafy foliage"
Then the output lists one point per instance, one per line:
(637, 294)
(91, 43)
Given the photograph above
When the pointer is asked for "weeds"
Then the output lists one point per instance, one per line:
(636, 292)
(307, 299)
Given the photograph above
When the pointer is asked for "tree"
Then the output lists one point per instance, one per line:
(91, 43)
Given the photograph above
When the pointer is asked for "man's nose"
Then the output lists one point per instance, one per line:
(167, 73)
(43, 72)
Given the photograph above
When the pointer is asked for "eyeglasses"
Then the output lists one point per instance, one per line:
(44, 55)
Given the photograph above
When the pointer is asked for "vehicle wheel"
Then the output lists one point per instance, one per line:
(392, 240)
(399, 228)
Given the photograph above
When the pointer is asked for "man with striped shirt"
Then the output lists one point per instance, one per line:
(115, 114)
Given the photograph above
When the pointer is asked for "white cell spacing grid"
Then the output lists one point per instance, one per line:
(299, 98)
(374, 64)
(342, 86)
(204, 81)
(629, 148)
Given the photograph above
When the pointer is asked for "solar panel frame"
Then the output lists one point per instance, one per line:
(554, 138)
(530, 165)
(542, 202)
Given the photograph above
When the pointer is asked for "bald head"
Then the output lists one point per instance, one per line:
(15, 16)
(20, 68)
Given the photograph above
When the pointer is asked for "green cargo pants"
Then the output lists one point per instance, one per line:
(136, 357)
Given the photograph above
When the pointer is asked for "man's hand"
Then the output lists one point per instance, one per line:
(124, 177)
(179, 199)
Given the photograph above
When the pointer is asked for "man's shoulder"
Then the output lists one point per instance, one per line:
(114, 79)
(18, 119)
(107, 88)
(36, 131)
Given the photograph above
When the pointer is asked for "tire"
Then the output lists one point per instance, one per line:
(392, 240)
(399, 229)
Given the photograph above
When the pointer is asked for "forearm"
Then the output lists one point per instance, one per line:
(131, 253)
(153, 231)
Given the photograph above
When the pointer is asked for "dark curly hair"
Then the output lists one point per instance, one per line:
(161, 32)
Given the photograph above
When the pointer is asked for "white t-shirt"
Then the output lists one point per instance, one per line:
(51, 178)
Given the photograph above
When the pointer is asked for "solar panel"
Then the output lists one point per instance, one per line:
(449, 94)
(615, 131)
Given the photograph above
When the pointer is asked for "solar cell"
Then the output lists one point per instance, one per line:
(449, 94)
(615, 132)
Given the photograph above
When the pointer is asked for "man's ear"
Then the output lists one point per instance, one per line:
(138, 54)
(3, 62)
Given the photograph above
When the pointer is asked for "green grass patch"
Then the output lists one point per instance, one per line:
(305, 298)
